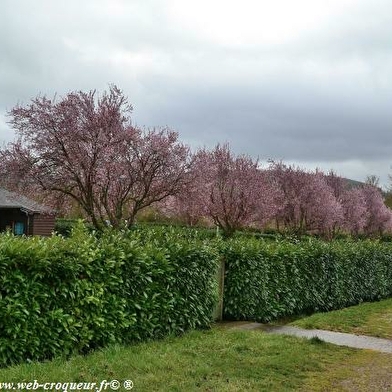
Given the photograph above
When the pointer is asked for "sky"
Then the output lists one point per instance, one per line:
(308, 82)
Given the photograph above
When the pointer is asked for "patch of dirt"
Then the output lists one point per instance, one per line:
(375, 376)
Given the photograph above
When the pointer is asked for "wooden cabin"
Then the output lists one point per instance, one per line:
(24, 216)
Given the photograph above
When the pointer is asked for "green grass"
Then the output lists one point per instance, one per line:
(215, 360)
(226, 359)
(221, 359)
(373, 319)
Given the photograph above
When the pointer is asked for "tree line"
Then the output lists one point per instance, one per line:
(82, 151)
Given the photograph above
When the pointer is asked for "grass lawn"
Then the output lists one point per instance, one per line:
(373, 319)
(219, 360)
(224, 359)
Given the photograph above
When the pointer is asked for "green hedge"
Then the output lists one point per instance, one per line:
(265, 281)
(62, 296)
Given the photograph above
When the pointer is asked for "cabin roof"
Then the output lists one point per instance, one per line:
(14, 200)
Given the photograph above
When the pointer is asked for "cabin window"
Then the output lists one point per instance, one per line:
(19, 228)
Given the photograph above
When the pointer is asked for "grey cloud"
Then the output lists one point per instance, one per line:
(293, 122)
(322, 96)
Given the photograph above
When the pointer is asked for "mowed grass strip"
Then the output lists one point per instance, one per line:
(214, 360)
(370, 318)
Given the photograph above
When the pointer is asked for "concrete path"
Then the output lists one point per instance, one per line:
(338, 338)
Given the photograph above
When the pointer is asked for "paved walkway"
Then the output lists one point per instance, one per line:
(338, 338)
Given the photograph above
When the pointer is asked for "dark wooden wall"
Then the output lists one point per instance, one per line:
(41, 224)
(35, 224)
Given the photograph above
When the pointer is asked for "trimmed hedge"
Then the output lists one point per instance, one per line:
(60, 296)
(265, 281)
(63, 296)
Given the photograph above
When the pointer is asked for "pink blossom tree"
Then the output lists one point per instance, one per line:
(379, 217)
(84, 148)
(230, 190)
(308, 203)
(323, 211)
(355, 211)
(336, 183)
(188, 205)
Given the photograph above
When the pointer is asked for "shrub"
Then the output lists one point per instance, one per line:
(267, 280)
(64, 226)
(60, 296)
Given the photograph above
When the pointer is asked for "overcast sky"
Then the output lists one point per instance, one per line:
(306, 81)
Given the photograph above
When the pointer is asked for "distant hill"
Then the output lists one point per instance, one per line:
(356, 184)
(353, 183)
